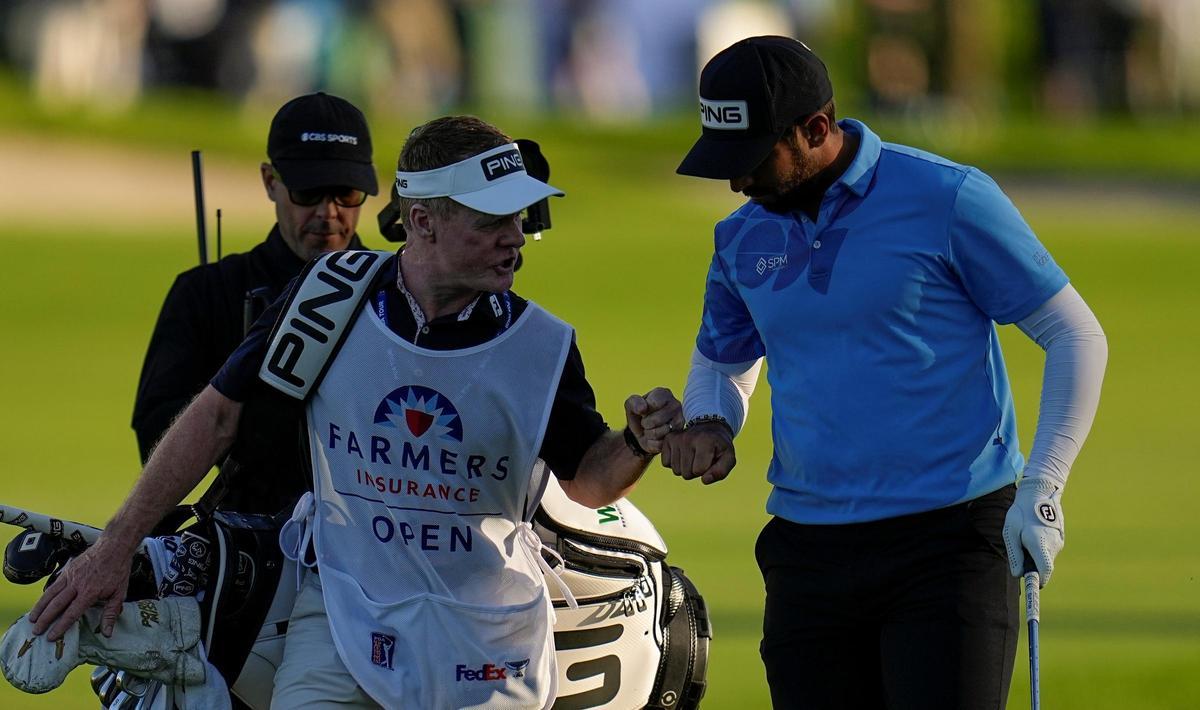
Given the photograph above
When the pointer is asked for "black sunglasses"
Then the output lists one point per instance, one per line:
(342, 196)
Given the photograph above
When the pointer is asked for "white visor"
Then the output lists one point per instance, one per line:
(493, 182)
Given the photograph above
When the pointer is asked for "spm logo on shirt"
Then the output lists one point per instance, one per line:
(767, 251)
(420, 410)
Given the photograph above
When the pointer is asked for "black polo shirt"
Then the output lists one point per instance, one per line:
(200, 324)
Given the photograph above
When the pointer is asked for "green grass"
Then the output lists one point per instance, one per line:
(1154, 149)
(625, 263)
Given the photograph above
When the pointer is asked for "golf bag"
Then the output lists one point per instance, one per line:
(640, 625)
(245, 604)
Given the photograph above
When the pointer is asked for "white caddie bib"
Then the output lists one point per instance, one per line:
(422, 464)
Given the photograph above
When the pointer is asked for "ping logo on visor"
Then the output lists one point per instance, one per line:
(497, 166)
(724, 115)
(492, 182)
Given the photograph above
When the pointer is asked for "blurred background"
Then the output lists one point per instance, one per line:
(610, 59)
(1086, 111)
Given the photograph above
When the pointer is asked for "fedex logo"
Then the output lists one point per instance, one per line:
(488, 672)
(724, 115)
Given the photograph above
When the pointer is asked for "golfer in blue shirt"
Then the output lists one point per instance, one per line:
(871, 276)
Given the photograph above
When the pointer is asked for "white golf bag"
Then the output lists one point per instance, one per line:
(639, 637)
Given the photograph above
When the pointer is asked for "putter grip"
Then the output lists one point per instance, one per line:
(1032, 581)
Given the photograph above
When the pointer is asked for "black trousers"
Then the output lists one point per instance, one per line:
(918, 611)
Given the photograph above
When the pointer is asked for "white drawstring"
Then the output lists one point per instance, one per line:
(296, 534)
(534, 545)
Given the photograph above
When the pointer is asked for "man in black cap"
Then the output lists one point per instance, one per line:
(872, 275)
(318, 175)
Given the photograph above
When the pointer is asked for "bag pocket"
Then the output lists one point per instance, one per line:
(433, 652)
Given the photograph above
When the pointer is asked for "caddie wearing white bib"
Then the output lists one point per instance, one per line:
(430, 580)
(429, 395)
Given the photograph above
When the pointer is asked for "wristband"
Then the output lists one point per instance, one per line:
(705, 418)
(632, 442)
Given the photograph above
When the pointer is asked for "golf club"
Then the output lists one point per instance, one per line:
(1032, 615)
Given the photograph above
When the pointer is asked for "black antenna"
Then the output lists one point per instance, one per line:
(198, 185)
(218, 234)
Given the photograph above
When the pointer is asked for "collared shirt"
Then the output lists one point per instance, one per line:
(888, 387)
(574, 423)
(420, 324)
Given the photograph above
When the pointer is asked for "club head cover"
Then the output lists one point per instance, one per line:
(157, 639)
(32, 555)
(34, 664)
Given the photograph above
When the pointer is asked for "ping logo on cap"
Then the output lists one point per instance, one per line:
(497, 166)
(724, 115)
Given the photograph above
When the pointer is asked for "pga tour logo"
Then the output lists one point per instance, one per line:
(724, 115)
(491, 672)
(383, 649)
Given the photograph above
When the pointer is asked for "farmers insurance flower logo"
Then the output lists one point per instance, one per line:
(419, 410)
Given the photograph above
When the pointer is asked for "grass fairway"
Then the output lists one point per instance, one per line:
(625, 264)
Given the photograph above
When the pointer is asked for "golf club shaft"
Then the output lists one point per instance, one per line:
(45, 524)
(1032, 583)
(28, 519)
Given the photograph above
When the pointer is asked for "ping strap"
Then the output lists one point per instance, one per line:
(317, 319)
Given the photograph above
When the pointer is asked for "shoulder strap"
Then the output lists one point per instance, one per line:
(316, 319)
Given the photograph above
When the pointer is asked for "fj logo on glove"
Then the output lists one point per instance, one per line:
(149, 613)
(1048, 513)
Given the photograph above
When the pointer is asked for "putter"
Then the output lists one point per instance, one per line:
(1032, 616)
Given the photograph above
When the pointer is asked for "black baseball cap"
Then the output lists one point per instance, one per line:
(750, 94)
(318, 140)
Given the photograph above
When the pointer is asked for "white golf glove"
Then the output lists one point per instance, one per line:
(1035, 524)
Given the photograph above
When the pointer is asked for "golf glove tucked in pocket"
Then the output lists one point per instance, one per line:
(1035, 524)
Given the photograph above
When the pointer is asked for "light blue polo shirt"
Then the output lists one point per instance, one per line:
(888, 386)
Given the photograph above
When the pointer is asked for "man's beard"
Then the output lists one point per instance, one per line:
(793, 189)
